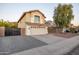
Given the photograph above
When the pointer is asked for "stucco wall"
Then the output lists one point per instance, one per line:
(22, 31)
(26, 18)
(42, 18)
(2, 31)
(29, 17)
(27, 30)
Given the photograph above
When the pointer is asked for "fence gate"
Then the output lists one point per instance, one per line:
(12, 31)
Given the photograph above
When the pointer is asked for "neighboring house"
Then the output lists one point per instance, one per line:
(50, 23)
(34, 23)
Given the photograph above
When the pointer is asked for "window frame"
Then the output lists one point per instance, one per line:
(35, 21)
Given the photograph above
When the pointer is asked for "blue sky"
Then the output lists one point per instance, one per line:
(13, 11)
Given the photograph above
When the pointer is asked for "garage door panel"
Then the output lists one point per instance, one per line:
(37, 31)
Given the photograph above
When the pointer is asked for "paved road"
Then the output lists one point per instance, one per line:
(14, 44)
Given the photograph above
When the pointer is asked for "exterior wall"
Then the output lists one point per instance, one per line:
(42, 18)
(26, 18)
(29, 17)
(21, 24)
(27, 31)
(22, 31)
(2, 31)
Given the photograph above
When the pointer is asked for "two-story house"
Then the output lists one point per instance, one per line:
(34, 23)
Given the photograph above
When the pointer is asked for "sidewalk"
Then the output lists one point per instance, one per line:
(62, 47)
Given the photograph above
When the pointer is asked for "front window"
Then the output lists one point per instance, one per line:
(36, 19)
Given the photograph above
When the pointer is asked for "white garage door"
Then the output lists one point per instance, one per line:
(38, 31)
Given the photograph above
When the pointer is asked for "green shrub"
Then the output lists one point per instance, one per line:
(7, 24)
(72, 30)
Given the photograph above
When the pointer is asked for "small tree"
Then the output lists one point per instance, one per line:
(63, 14)
(1, 22)
(7, 24)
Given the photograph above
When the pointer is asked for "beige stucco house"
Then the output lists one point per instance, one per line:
(34, 23)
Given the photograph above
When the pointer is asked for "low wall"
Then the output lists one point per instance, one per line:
(54, 29)
(2, 31)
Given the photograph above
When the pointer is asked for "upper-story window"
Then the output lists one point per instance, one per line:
(37, 19)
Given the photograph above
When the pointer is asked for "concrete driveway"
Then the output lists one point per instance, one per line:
(56, 46)
(37, 45)
(12, 44)
(49, 38)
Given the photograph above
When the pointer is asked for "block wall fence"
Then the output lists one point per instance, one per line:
(2, 31)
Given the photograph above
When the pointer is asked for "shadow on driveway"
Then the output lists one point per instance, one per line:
(12, 44)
